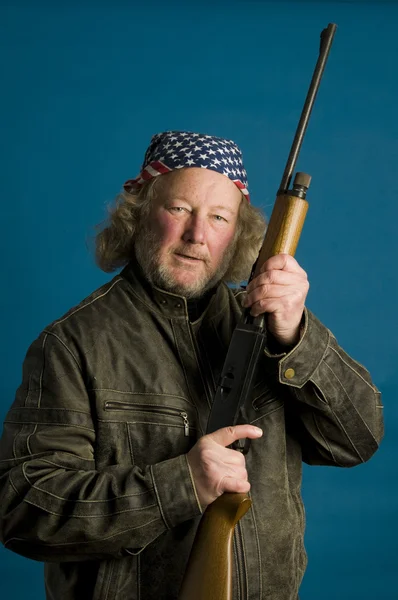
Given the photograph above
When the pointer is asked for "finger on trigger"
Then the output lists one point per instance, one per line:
(227, 435)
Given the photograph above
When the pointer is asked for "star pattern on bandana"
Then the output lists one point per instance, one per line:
(178, 149)
(201, 150)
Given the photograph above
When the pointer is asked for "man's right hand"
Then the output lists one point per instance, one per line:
(217, 469)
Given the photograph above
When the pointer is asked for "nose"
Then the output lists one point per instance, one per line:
(195, 230)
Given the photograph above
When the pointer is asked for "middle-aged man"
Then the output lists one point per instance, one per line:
(105, 468)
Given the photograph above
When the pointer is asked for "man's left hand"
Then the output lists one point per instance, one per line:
(280, 290)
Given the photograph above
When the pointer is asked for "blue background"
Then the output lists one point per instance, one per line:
(86, 84)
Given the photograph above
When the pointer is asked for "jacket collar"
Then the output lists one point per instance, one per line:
(167, 304)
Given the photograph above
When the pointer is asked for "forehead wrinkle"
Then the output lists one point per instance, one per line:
(187, 189)
(190, 188)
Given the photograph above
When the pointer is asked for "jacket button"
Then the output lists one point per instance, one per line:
(290, 373)
(178, 305)
(163, 301)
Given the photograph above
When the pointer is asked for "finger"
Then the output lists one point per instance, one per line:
(228, 470)
(277, 277)
(240, 473)
(228, 435)
(265, 292)
(287, 309)
(282, 262)
(234, 485)
(233, 457)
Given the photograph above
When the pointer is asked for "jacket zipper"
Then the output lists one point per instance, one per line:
(241, 568)
(116, 405)
(202, 370)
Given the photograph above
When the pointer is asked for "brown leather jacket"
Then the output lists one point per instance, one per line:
(94, 479)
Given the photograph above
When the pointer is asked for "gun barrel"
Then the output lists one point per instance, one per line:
(327, 36)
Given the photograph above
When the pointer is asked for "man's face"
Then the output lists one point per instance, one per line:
(187, 243)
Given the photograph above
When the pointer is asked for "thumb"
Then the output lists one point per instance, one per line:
(228, 435)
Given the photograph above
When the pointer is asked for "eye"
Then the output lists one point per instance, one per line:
(177, 209)
(219, 218)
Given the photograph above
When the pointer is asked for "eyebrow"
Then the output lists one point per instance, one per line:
(217, 207)
(220, 207)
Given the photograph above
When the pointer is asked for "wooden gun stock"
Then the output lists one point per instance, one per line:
(209, 570)
(284, 228)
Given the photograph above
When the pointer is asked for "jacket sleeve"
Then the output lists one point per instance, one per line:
(332, 407)
(54, 503)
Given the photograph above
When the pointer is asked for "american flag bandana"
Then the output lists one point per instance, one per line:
(179, 149)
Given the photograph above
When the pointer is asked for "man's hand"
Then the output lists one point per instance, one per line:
(279, 290)
(217, 469)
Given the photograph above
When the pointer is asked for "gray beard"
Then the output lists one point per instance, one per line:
(147, 250)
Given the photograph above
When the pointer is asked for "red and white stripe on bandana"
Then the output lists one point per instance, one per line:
(180, 149)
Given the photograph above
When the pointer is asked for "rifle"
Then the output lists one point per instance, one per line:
(208, 575)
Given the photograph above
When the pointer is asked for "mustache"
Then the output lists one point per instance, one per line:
(187, 251)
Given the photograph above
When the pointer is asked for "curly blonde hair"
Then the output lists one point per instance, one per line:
(114, 242)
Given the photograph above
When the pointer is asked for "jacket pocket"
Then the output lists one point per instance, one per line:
(265, 401)
(156, 432)
(152, 410)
